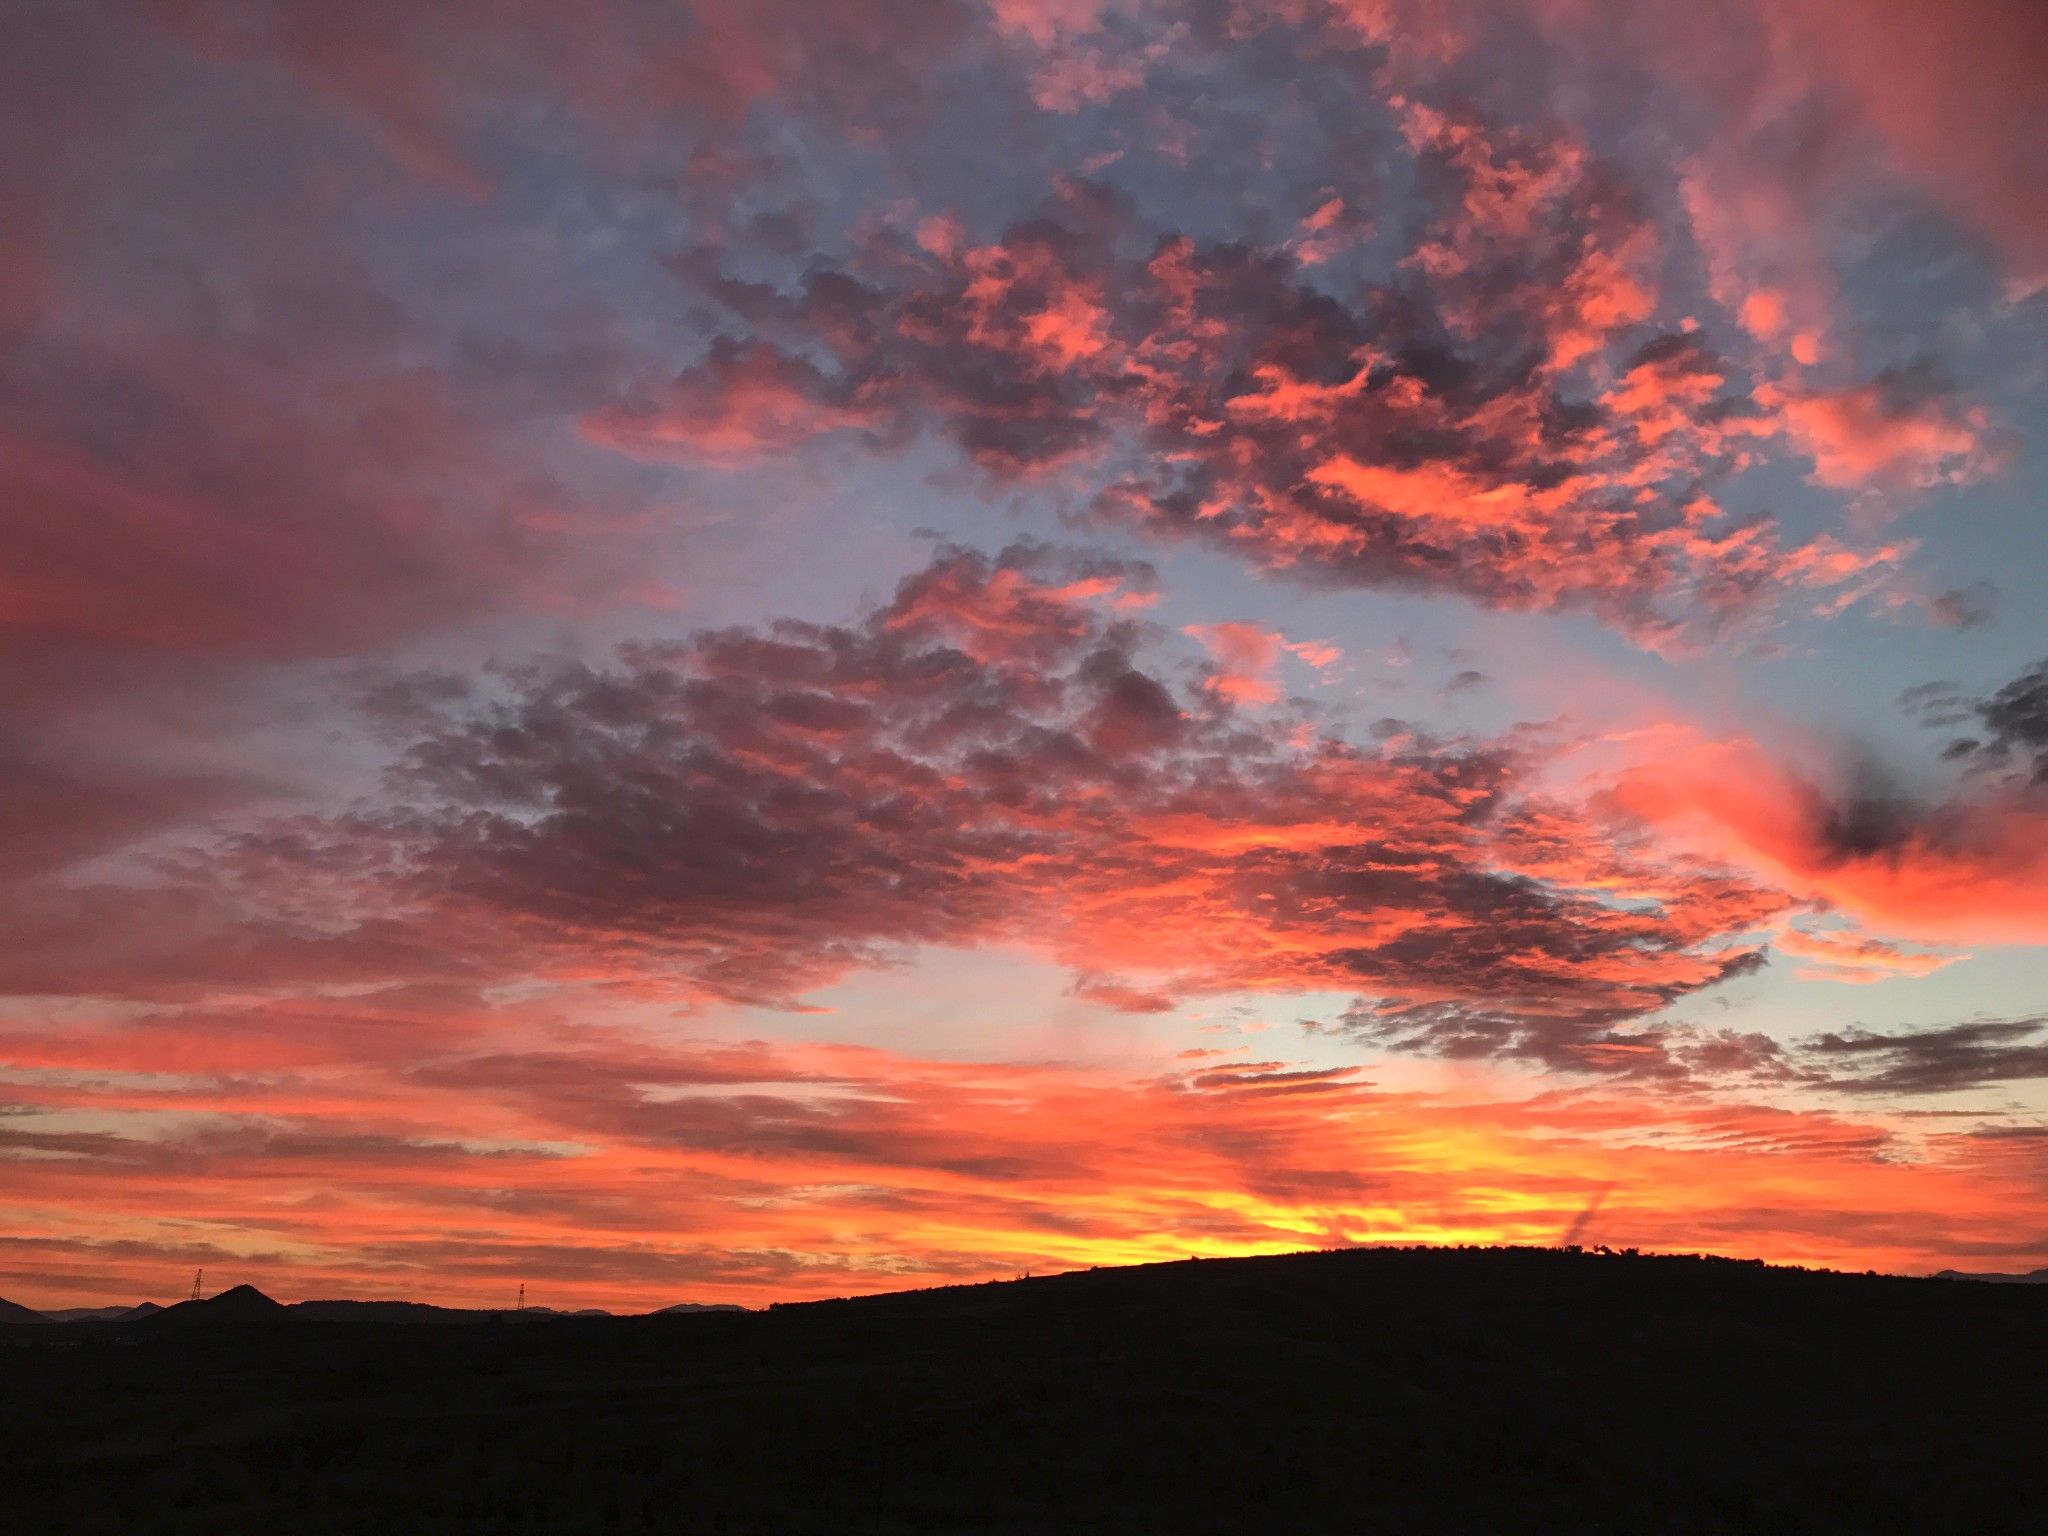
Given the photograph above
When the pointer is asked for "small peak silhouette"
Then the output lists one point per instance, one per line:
(241, 1303)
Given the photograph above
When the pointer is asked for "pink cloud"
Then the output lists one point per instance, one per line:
(1889, 432)
(743, 402)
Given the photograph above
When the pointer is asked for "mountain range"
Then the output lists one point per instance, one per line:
(245, 1303)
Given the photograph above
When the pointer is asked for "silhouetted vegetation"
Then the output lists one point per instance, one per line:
(1411, 1391)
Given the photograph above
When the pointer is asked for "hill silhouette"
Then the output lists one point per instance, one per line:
(1367, 1390)
(15, 1312)
(696, 1306)
(240, 1304)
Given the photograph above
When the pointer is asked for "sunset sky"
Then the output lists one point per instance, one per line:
(755, 649)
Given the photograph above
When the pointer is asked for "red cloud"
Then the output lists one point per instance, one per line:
(1972, 869)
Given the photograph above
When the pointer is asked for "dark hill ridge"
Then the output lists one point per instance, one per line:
(246, 1303)
(1371, 1390)
(241, 1304)
(695, 1306)
(114, 1314)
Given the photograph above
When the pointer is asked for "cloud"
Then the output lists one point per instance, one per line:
(617, 1169)
(1895, 431)
(1956, 100)
(1801, 93)
(1430, 431)
(749, 813)
(1492, 394)
(1966, 868)
(425, 84)
(1947, 1059)
(1853, 957)
(1114, 995)
(1244, 656)
(741, 402)
(59, 810)
(2013, 719)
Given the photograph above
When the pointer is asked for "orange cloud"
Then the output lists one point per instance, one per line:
(603, 1169)
(1973, 869)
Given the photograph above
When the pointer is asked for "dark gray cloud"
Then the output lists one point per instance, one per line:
(1941, 1059)
(2016, 721)
(2008, 727)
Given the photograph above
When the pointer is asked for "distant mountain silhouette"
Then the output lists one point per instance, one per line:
(2032, 1277)
(241, 1304)
(561, 1312)
(245, 1303)
(378, 1312)
(133, 1314)
(248, 1302)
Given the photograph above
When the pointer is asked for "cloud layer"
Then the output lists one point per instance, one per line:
(601, 1169)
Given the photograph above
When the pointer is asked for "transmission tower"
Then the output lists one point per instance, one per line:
(197, 1275)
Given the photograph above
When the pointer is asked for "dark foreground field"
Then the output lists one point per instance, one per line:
(1478, 1391)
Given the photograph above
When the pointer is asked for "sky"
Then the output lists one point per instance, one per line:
(736, 650)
